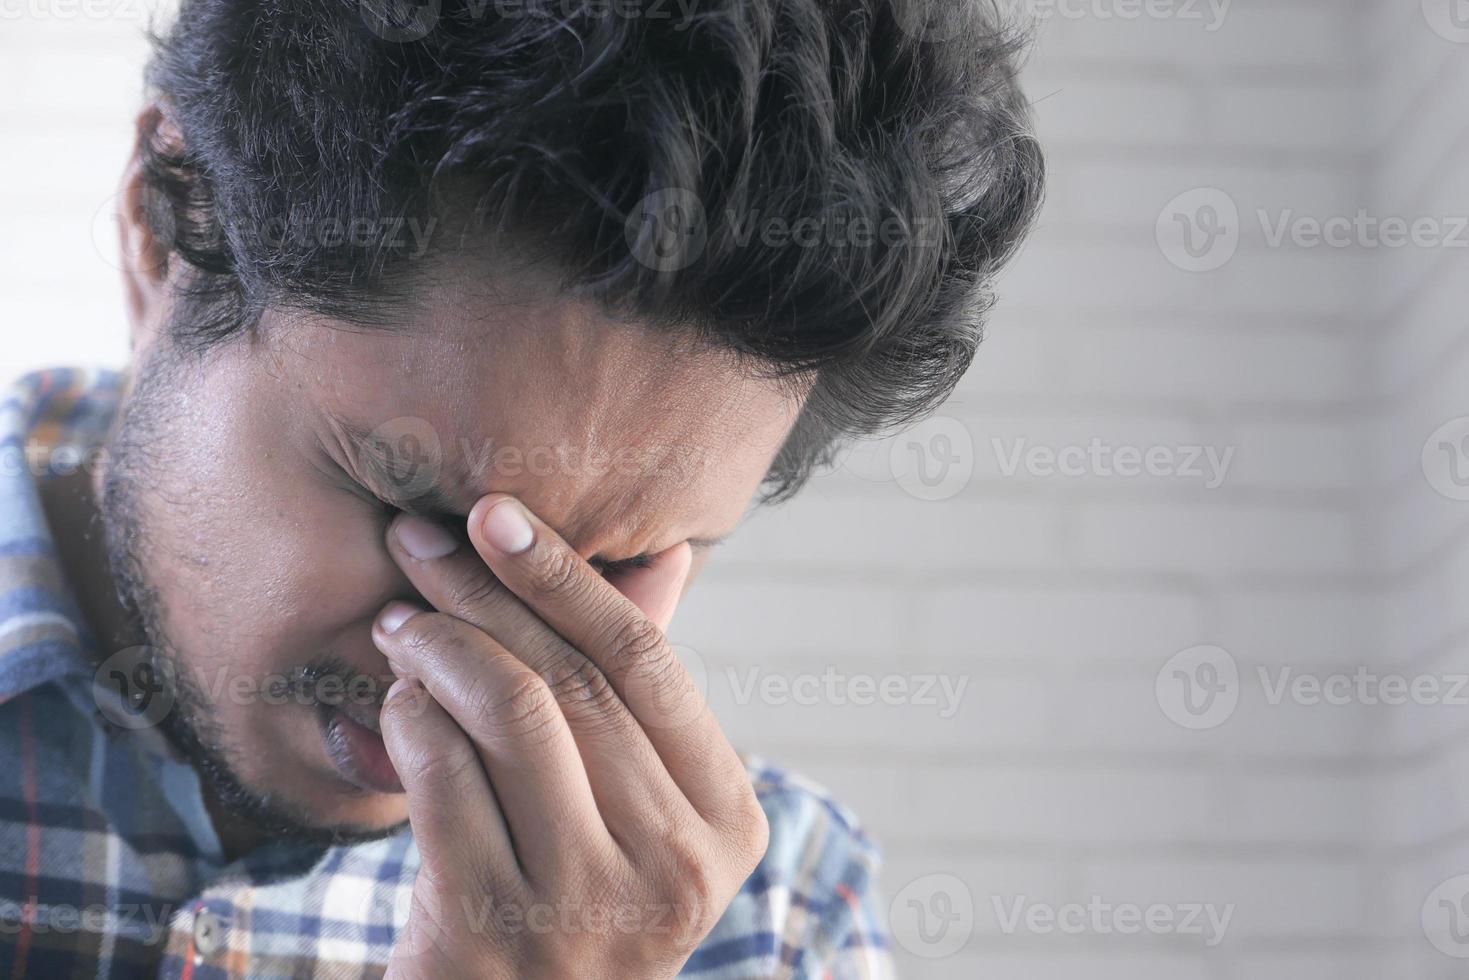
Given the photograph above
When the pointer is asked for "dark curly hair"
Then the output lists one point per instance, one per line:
(823, 186)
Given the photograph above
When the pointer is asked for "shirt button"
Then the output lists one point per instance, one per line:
(208, 933)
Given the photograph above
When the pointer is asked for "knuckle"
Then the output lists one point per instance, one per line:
(404, 706)
(431, 631)
(524, 709)
(752, 833)
(555, 575)
(470, 587)
(581, 689)
(638, 645)
(428, 763)
(690, 886)
(452, 769)
(743, 823)
(574, 678)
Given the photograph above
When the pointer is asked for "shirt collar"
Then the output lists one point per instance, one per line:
(51, 423)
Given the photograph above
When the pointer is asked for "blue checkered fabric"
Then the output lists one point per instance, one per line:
(109, 866)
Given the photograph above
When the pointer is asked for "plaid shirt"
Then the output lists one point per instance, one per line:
(110, 867)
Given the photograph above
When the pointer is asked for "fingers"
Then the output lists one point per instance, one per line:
(450, 803)
(624, 771)
(514, 724)
(457, 581)
(533, 562)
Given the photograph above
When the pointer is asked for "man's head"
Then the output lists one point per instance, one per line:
(636, 263)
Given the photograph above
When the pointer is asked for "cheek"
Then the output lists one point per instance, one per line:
(286, 570)
(321, 563)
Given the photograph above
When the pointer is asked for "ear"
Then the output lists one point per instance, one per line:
(143, 254)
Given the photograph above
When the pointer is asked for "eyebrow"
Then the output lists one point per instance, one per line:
(435, 504)
(378, 470)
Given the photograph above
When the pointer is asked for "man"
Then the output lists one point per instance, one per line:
(333, 637)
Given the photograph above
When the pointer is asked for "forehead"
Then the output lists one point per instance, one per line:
(617, 434)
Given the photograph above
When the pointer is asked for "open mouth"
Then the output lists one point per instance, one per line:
(348, 706)
(354, 743)
(365, 713)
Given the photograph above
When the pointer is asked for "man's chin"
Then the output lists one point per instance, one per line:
(335, 813)
(304, 803)
(352, 816)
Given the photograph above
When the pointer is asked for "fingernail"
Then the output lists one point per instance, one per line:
(424, 539)
(400, 685)
(395, 614)
(507, 529)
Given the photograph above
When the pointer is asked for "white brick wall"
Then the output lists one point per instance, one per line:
(1059, 598)
(1417, 345)
(1056, 599)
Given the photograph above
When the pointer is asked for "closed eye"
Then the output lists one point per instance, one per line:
(391, 509)
(608, 569)
(383, 508)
